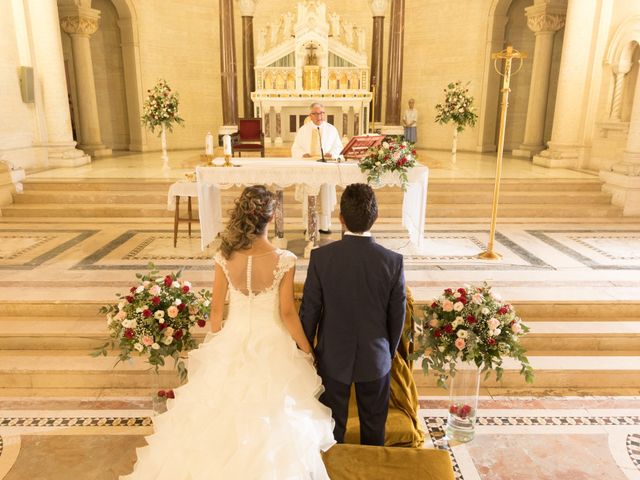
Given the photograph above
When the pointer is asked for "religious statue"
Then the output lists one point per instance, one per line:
(262, 39)
(334, 19)
(348, 33)
(311, 58)
(361, 42)
(275, 30)
(287, 26)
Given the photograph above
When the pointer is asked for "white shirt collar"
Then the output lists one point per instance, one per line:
(363, 234)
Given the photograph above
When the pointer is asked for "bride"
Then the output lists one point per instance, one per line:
(250, 408)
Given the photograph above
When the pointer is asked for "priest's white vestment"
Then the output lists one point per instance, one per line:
(307, 141)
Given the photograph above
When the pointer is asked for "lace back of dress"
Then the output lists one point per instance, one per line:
(252, 274)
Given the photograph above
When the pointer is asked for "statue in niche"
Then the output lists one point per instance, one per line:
(287, 26)
(275, 30)
(311, 58)
(267, 37)
(334, 20)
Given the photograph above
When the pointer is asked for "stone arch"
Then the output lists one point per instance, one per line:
(622, 56)
(488, 105)
(128, 23)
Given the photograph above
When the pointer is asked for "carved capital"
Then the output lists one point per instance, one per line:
(379, 7)
(81, 25)
(247, 8)
(545, 22)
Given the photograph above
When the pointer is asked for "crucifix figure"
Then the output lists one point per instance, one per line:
(311, 57)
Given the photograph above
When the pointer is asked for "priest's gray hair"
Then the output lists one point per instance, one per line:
(316, 104)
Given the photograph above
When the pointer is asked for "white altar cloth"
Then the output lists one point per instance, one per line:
(284, 172)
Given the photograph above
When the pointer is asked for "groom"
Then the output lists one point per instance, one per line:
(354, 302)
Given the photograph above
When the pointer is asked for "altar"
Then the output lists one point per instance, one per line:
(311, 56)
(279, 173)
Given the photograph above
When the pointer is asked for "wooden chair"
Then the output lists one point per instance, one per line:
(249, 137)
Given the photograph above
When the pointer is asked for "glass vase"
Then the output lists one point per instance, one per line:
(158, 403)
(463, 402)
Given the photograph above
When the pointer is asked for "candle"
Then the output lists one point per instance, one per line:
(226, 142)
(208, 144)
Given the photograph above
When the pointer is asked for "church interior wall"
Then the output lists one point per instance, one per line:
(19, 131)
(610, 137)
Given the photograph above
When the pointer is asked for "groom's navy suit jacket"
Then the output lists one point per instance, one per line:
(354, 301)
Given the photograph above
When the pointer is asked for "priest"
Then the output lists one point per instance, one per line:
(318, 140)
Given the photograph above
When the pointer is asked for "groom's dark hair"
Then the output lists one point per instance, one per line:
(358, 207)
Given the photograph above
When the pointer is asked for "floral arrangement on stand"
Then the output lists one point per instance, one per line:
(155, 319)
(390, 156)
(468, 330)
(457, 109)
(160, 109)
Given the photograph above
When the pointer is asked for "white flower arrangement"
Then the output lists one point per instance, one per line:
(161, 107)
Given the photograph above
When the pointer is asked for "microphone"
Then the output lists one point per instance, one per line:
(322, 159)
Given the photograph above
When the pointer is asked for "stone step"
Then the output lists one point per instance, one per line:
(558, 338)
(559, 372)
(519, 198)
(81, 372)
(511, 211)
(515, 185)
(578, 311)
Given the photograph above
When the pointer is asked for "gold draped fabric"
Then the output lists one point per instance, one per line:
(403, 427)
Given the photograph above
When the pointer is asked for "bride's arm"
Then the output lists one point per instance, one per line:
(289, 314)
(219, 296)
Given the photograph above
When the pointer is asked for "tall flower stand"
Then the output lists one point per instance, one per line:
(454, 144)
(463, 402)
(165, 155)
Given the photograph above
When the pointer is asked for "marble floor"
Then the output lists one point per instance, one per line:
(516, 438)
(89, 259)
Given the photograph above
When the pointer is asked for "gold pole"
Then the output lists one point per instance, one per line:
(372, 129)
(507, 55)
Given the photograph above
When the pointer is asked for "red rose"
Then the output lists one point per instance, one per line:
(413, 152)
(163, 326)
(491, 341)
(185, 289)
(129, 298)
(155, 300)
(170, 394)
(471, 319)
(463, 300)
(162, 393)
(434, 305)
(146, 313)
(465, 410)
(168, 281)
(437, 333)
(503, 310)
(448, 291)
(178, 334)
(448, 328)
(132, 289)
(201, 323)
(462, 291)
(181, 307)
(128, 333)
(453, 409)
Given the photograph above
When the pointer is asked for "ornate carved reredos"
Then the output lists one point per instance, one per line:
(79, 25)
(545, 22)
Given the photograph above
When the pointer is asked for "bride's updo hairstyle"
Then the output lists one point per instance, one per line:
(249, 218)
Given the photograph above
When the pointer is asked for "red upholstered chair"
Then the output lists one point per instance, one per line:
(249, 137)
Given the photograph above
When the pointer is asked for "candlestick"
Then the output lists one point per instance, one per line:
(226, 142)
(208, 144)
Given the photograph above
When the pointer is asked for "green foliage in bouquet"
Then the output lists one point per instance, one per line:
(389, 156)
(156, 319)
(457, 107)
(161, 107)
(470, 324)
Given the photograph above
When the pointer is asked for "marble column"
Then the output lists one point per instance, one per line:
(80, 23)
(544, 19)
(356, 122)
(620, 71)
(247, 9)
(50, 79)
(379, 10)
(228, 64)
(345, 122)
(565, 146)
(394, 65)
(278, 140)
(623, 178)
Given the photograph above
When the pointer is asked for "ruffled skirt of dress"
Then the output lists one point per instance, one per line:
(249, 411)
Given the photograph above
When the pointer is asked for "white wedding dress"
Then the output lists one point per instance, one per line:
(250, 409)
